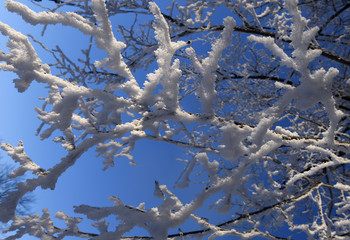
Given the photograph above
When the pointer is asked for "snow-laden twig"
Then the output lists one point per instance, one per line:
(206, 92)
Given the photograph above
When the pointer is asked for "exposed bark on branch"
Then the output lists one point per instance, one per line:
(333, 16)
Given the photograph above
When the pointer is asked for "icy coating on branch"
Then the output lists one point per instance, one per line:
(206, 92)
(265, 136)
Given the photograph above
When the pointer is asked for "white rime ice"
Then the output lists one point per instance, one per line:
(206, 92)
(168, 73)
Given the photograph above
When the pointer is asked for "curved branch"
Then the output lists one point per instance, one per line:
(333, 16)
(235, 220)
(253, 30)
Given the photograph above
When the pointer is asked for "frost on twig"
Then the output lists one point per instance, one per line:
(314, 86)
(167, 74)
(18, 155)
(206, 92)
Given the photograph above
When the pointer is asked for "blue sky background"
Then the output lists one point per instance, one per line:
(85, 182)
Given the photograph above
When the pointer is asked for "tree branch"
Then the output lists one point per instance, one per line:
(333, 16)
(260, 32)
